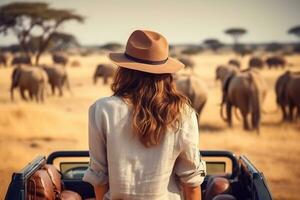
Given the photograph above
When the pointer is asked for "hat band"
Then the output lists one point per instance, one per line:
(145, 61)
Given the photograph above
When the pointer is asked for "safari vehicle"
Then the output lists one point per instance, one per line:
(247, 183)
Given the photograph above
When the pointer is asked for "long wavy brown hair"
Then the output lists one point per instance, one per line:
(157, 105)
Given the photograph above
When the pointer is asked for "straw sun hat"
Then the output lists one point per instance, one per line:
(147, 51)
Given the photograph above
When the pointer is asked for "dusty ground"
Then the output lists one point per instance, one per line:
(30, 129)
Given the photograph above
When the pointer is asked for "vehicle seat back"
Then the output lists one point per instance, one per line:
(216, 186)
(40, 187)
(55, 177)
(46, 184)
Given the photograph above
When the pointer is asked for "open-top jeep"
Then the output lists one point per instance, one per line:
(246, 182)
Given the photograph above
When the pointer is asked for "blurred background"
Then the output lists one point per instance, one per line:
(69, 41)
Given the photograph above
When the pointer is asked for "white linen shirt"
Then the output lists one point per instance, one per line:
(135, 172)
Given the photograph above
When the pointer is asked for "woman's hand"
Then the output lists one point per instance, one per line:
(192, 193)
(100, 191)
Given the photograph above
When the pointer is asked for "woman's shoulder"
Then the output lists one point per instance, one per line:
(110, 102)
(189, 124)
(187, 112)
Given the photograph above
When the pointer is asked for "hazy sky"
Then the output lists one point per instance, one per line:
(181, 21)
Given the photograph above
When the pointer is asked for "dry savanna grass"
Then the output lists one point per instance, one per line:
(28, 129)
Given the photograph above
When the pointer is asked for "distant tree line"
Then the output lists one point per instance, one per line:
(36, 27)
(236, 33)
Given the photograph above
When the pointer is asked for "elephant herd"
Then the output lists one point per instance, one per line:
(242, 90)
(259, 63)
(271, 62)
(35, 79)
(245, 90)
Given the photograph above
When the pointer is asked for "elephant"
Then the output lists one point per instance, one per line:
(287, 89)
(280, 90)
(17, 60)
(235, 63)
(223, 71)
(58, 77)
(106, 71)
(31, 79)
(275, 61)
(75, 63)
(195, 89)
(187, 61)
(256, 62)
(245, 91)
(3, 60)
(59, 59)
(293, 96)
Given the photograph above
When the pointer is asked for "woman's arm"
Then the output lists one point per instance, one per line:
(188, 166)
(192, 193)
(100, 191)
(97, 173)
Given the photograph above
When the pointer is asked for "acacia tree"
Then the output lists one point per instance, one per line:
(295, 31)
(236, 33)
(213, 44)
(59, 41)
(27, 20)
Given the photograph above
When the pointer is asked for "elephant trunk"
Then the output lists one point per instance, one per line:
(254, 104)
(95, 78)
(222, 111)
(223, 104)
(225, 88)
(12, 92)
(14, 81)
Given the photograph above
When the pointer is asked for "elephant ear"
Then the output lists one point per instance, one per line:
(16, 77)
(225, 86)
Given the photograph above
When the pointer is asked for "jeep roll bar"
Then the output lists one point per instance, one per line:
(230, 155)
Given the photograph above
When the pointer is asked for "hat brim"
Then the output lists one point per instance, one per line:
(170, 66)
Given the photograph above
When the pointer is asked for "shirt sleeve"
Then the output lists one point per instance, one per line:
(189, 167)
(97, 172)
